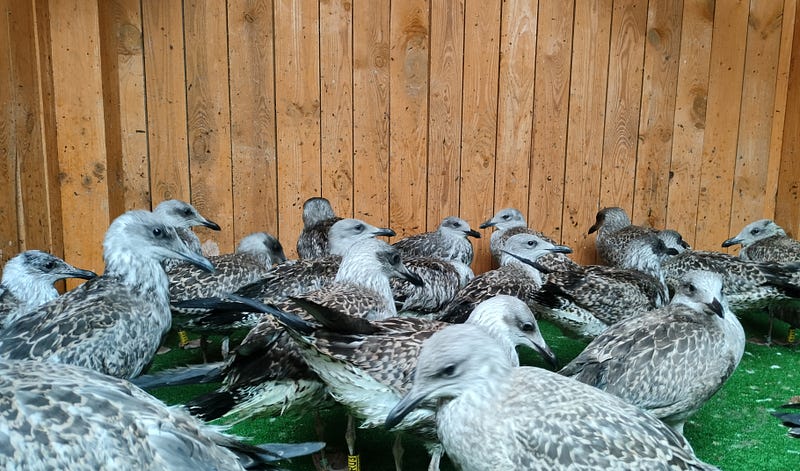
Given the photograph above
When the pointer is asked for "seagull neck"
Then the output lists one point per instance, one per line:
(142, 275)
(366, 276)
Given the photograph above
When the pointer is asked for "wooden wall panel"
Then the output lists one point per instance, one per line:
(252, 94)
(399, 112)
(208, 118)
(722, 123)
(336, 88)
(9, 230)
(662, 52)
(550, 114)
(408, 108)
(81, 147)
(587, 113)
(515, 105)
(298, 113)
(479, 120)
(444, 130)
(626, 58)
(166, 100)
(371, 58)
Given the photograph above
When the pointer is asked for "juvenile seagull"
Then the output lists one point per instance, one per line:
(68, 417)
(28, 282)
(789, 415)
(765, 241)
(450, 242)
(267, 374)
(587, 299)
(614, 233)
(492, 415)
(442, 279)
(254, 257)
(183, 216)
(318, 217)
(290, 278)
(368, 366)
(667, 361)
(113, 323)
(518, 276)
(509, 222)
(674, 240)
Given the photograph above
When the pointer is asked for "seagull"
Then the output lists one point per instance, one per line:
(614, 233)
(441, 281)
(183, 216)
(28, 282)
(765, 241)
(671, 360)
(69, 417)
(516, 276)
(493, 415)
(113, 323)
(450, 242)
(789, 415)
(674, 240)
(510, 221)
(266, 374)
(318, 217)
(368, 366)
(585, 300)
(291, 278)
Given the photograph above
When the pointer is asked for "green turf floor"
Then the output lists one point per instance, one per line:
(733, 431)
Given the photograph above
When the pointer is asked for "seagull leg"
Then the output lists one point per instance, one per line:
(350, 435)
(436, 457)
(397, 452)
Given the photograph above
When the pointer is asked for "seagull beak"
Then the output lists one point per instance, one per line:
(197, 260)
(486, 224)
(547, 354)
(78, 273)
(407, 404)
(211, 224)
(597, 223)
(473, 233)
(532, 263)
(384, 231)
(560, 249)
(716, 308)
(412, 278)
(732, 241)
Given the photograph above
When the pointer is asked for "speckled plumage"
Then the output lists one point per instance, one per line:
(515, 277)
(59, 417)
(449, 242)
(614, 233)
(113, 323)
(28, 282)
(441, 281)
(671, 360)
(269, 376)
(508, 222)
(746, 284)
(587, 299)
(765, 241)
(492, 415)
(183, 216)
(318, 217)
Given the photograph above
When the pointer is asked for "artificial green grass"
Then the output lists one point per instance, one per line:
(733, 431)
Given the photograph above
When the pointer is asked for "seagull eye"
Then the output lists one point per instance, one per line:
(50, 265)
(755, 231)
(690, 288)
(448, 371)
(157, 232)
(527, 327)
(532, 243)
(187, 212)
(506, 216)
(395, 259)
(359, 228)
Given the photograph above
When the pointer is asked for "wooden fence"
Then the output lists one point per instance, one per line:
(399, 112)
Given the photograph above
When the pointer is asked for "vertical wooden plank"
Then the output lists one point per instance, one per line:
(123, 64)
(780, 110)
(253, 140)
(9, 231)
(787, 208)
(208, 109)
(550, 113)
(165, 89)
(758, 102)
(479, 118)
(515, 106)
(81, 131)
(722, 124)
(444, 131)
(336, 80)
(371, 111)
(662, 51)
(587, 111)
(690, 117)
(625, 67)
(298, 112)
(408, 108)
